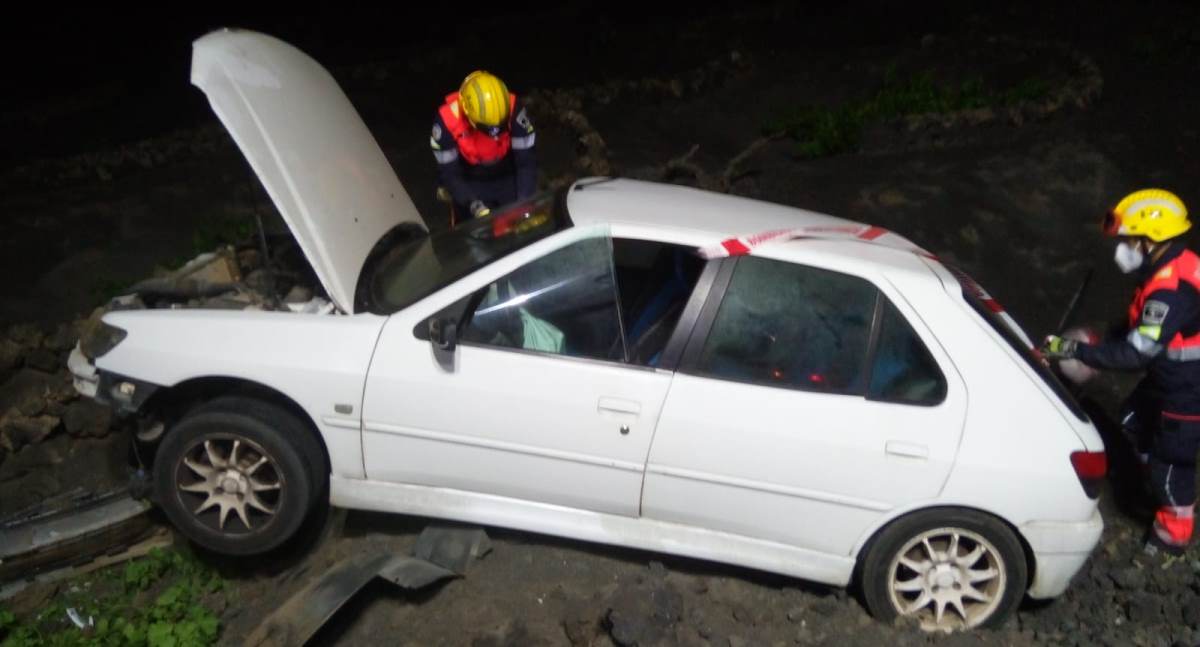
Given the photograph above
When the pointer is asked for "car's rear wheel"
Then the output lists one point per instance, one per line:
(238, 476)
(949, 569)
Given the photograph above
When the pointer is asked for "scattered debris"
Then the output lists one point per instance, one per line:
(65, 530)
(77, 620)
(441, 552)
(208, 275)
(452, 547)
(311, 607)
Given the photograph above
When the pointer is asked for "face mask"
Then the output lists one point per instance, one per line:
(1128, 257)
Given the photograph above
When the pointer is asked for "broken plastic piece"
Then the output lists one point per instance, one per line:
(311, 607)
(452, 547)
(77, 619)
(441, 552)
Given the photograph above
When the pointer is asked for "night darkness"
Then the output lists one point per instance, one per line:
(991, 134)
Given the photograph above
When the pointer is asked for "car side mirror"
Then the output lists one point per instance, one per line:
(443, 333)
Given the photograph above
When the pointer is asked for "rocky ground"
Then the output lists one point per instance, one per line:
(1010, 191)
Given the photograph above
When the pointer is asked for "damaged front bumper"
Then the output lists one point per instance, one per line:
(125, 395)
(83, 372)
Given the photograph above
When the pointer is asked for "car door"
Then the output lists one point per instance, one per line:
(534, 403)
(807, 405)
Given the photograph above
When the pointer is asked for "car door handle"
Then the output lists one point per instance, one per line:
(619, 406)
(910, 450)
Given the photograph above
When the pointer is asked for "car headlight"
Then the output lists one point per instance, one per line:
(99, 340)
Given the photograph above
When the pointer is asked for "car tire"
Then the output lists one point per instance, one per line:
(238, 476)
(965, 563)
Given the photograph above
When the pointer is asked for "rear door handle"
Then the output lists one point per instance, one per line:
(619, 406)
(909, 450)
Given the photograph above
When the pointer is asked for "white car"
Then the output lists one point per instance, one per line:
(628, 363)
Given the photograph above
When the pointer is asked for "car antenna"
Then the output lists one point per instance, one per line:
(1073, 304)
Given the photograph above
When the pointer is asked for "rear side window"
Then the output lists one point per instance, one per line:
(789, 325)
(994, 315)
(795, 326)
(902, 370)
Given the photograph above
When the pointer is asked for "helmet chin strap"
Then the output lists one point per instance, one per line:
(1154, 250)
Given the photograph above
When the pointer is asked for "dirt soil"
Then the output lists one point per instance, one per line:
(1012, 195)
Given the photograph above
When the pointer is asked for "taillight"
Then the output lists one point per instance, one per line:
(1090, 467)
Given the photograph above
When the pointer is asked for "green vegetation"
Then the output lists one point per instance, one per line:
(823, 131)
(155, 601)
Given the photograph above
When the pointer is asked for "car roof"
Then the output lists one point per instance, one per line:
(718, 223)
(674, 207)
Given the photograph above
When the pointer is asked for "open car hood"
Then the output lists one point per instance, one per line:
(321, 166)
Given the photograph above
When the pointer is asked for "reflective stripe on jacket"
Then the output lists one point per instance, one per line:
(1186, 268)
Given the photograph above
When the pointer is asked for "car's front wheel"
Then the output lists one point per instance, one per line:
(950, 569)
(237, 476)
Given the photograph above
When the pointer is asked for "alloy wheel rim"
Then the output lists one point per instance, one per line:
(230, 484)
(948, 579)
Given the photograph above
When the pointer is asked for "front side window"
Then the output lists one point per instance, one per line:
(563, 303)
(784, 324)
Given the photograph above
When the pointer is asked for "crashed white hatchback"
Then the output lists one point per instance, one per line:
(629, 363)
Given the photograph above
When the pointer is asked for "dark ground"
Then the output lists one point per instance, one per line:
(113, 165)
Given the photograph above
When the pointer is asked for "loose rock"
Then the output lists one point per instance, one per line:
(1129, 579)
(26, 335)
(1191, 613)
(43, 360)
(10, 355)
(27, 392)
(580, 631)
(638, 618)
(87, 418)
(18, 430)
(63, 338)
(1144, 609)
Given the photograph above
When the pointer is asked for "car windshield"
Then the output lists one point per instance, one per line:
(405, 272)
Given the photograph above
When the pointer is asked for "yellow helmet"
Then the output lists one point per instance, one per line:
(484, 99)
(1153, 213)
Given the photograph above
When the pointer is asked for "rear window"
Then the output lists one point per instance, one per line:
(1001, 322)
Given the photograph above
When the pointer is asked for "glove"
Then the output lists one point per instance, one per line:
(1056, 347)
(479, 209)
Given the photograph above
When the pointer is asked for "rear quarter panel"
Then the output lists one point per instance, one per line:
(1014, 460)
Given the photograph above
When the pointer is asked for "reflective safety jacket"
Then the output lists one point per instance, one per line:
(1163, 334)
(474, 166)
(475, 147)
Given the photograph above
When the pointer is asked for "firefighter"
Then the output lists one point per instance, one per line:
(483, 142)
(1163, 337)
